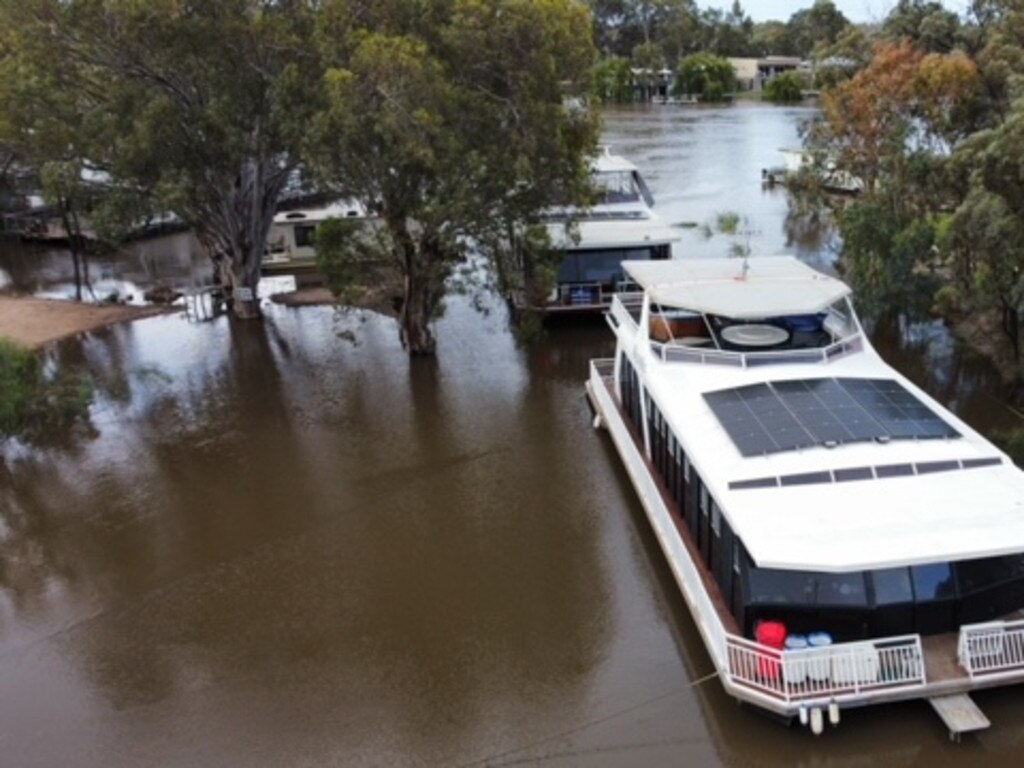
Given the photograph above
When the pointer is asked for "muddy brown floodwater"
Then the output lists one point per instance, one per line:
(280, 548)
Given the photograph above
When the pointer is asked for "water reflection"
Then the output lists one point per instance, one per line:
(267, 502)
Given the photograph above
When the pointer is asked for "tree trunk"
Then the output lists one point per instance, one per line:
(422, 263)
(1011, 327)
(76, 260)
(235, 229)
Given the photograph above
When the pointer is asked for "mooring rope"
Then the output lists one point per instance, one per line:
(590, 723)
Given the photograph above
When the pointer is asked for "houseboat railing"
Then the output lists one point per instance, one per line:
(603, 367)
(676, 353)
(992, 649)
(835, 672)
(596, 294)
(620, 314)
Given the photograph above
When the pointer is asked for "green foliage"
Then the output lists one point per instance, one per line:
(196, 107)
(706, 76)
(817, 27)
(886, 254)
(786, 88)
(35, 403)
(347, 252)
(728, 223)
(613, 80)
(926, 23)
(1012, 441)
(406, 102)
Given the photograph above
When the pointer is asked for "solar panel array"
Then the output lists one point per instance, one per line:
(778, 416)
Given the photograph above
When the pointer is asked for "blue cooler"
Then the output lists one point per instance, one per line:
(819, 668)
(795, 668)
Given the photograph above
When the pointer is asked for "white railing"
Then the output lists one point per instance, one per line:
(835, 672)
(620, 314)
(994, 648)
(677, 353)
(603, 367)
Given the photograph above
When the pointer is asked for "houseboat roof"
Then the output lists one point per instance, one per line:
(911, 483)
(614, 231)
(755, 288)
(336, 209)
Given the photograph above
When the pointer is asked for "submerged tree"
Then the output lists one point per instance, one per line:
(194, 105)
(452, 122)
(705, 76)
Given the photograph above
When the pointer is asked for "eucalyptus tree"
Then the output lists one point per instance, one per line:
(454, 121)
(195, 105)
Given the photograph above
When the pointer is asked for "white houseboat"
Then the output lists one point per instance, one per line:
(621, 226)
(841, 539)
(290, 243)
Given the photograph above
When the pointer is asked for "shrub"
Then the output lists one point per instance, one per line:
(706, 76)
(35, 402)
(786, 88)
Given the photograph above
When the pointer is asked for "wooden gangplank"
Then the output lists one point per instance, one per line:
(960, 714)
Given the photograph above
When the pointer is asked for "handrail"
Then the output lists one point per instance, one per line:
(834, 672)
(675, 353)
(994, 648)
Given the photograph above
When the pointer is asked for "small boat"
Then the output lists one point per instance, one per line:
(832, 179)
(595, 241)
(841, 538)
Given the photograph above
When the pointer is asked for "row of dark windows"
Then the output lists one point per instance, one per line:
(605, 266)
(720, 550)
(926, 599)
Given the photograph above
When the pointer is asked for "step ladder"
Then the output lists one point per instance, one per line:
(960, 714)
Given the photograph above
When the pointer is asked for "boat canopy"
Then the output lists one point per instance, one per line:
(744, 289)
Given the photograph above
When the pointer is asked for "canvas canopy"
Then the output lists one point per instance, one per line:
(746, 289)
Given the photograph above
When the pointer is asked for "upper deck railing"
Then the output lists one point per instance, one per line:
(677, 352)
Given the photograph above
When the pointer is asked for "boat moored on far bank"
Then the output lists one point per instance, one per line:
(622, 225)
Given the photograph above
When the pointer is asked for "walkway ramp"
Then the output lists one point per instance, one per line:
(960, 714)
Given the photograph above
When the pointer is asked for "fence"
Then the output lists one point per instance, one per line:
(845, 670)
(992, 649)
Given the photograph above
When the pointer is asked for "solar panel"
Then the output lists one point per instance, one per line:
(777, 416)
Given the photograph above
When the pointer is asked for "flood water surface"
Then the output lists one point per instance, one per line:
(280, 547)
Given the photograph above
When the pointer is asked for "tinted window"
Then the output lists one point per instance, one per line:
(975, 575)
(932, 582)
(892, 585)
(774, 587)
(841, 589)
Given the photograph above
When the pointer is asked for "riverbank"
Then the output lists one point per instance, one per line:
(34, 322)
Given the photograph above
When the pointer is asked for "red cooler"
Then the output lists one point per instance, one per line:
(773, 635)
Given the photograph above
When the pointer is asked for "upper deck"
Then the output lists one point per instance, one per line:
(819, 454)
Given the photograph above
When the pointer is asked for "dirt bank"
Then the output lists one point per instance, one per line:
(34, 322)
